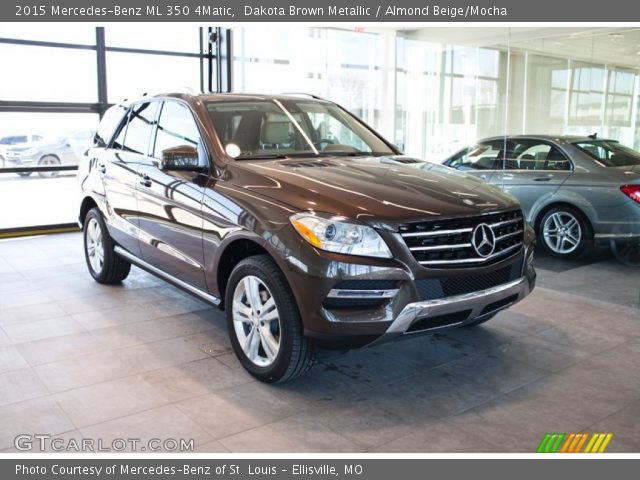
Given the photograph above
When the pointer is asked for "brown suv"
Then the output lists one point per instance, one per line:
(300, 221)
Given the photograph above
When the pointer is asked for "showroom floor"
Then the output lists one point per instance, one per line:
(143, 360)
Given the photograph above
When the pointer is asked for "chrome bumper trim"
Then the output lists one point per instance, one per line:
(617, 236)
(475, 302)
(348, 293)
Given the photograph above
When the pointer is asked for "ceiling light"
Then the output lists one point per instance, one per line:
(616, 34)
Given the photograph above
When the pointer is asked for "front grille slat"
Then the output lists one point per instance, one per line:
(448, 243)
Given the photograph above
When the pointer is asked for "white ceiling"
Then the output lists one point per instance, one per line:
(614, 46)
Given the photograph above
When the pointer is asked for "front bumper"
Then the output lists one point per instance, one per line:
(408, 310)
(457, 311)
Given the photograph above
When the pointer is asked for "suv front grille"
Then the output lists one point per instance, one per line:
(448, 243)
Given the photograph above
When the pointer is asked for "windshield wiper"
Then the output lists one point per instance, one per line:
(262, 157)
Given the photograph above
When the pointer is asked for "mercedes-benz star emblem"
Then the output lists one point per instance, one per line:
(483, 240)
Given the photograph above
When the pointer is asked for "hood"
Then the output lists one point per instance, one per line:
(380, 191)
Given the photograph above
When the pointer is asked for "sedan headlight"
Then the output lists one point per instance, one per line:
(337, 234)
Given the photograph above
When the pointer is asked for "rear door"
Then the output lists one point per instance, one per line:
(170, 202)
(118, 168)
(533, 170)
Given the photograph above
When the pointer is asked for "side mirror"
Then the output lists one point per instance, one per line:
(183, 158)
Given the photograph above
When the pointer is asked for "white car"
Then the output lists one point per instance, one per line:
(8, 141)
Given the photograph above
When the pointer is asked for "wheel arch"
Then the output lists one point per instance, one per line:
(87, 204)
(233, 253)
(560, 203)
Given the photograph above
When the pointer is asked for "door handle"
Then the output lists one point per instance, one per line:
(542, 179)
(145, 180)
(102, 168)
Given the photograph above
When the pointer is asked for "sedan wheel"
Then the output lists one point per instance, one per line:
(48, 161)
(256, 321)
(564, 232)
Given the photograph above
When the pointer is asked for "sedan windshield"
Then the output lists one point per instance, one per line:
(610, 153)
(255, 129)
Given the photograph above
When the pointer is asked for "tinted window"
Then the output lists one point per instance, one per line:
(110, 121)
(139, 127)
(176, 128)
(13, 140)
(483, 156)
(610, 154)
(535, 155)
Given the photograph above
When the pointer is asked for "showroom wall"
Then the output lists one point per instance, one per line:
(434, 90)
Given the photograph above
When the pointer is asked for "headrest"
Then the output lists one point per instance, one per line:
(275, 133)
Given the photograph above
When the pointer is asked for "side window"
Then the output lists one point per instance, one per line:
(537, 156)
(139, 127)
(110, 122)
(37, 138)
(176, 128)
(483, 156)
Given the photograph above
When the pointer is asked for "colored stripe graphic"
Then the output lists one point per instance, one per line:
(557, 442)
(550, 443)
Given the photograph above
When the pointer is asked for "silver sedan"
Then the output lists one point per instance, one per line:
(573, 190)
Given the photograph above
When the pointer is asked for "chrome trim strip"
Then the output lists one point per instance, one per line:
(207, 297)
(435, 234)
(343, 293)
(502, 237)
(441, 247)
(621, 236)
(506, 222)
(471, 260)
(475, 302)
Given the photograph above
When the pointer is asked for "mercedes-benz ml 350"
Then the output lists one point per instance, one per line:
(301, 222)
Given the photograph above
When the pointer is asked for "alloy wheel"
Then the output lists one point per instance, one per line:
(256, 321)
(95, 245)
(562, 232)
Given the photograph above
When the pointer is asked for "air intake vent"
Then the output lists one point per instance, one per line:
(465, 241)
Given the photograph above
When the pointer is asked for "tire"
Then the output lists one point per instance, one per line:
(275, 349)
(24, 174)
(480, 321)
(104, 265)
(565, 232)
(48, 161)
(626, 252)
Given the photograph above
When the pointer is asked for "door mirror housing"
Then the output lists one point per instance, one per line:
(181, 158)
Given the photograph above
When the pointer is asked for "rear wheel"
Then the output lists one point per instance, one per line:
(105, 266)
(48, 161)
(564, 232)
(264, 322)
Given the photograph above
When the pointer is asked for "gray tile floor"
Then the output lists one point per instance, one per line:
(143, 360)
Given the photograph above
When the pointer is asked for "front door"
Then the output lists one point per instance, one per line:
(170, 202)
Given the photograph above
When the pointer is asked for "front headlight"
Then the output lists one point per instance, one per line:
(337, 234)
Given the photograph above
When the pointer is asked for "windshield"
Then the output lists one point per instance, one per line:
(610, 153)
(278, 128)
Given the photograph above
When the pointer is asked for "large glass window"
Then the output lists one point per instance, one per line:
(47, 74)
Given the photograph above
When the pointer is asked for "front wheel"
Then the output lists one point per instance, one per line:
(565, 232)
(48, 161)
(105, 266)
(264, 323)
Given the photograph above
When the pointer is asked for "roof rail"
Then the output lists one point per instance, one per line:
(316, 97)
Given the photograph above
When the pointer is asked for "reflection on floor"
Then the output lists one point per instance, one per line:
(143, 360)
